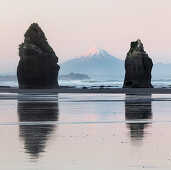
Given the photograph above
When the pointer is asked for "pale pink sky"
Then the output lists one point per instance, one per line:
(74, 26)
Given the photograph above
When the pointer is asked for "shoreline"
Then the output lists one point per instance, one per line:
(93, 90)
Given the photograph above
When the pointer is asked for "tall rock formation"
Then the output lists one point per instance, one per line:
(38, 66)
(138, 67)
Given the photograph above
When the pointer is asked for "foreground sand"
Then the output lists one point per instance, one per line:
(100, 90)
(85, 131)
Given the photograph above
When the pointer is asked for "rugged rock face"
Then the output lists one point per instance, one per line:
(138, 67)
(38, 66)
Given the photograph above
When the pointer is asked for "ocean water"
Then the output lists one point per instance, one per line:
(94, 82)
(85, 131)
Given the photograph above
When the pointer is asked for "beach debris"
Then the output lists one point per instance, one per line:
(38, 66)
(101, 87)
(138, 67)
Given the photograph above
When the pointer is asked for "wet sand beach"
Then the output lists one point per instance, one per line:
(85, 131)
(89, 90)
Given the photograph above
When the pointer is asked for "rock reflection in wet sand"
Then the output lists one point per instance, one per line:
(137, 110)
(36, 136)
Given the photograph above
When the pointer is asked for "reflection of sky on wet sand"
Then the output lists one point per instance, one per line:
(97, 134)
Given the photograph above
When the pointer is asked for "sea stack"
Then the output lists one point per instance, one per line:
(138, 67)
(38, 66)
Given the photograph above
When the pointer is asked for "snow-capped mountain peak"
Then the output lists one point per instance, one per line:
(94, 51)
(94, 62)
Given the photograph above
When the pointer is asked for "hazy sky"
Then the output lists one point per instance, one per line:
(74, 26)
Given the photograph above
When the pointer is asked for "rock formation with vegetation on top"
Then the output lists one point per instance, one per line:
(38, 66)
(138, 67)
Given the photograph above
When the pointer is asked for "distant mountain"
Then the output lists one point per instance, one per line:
(98, 62)
(161, 71)
(74, 76)
(94, 62)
